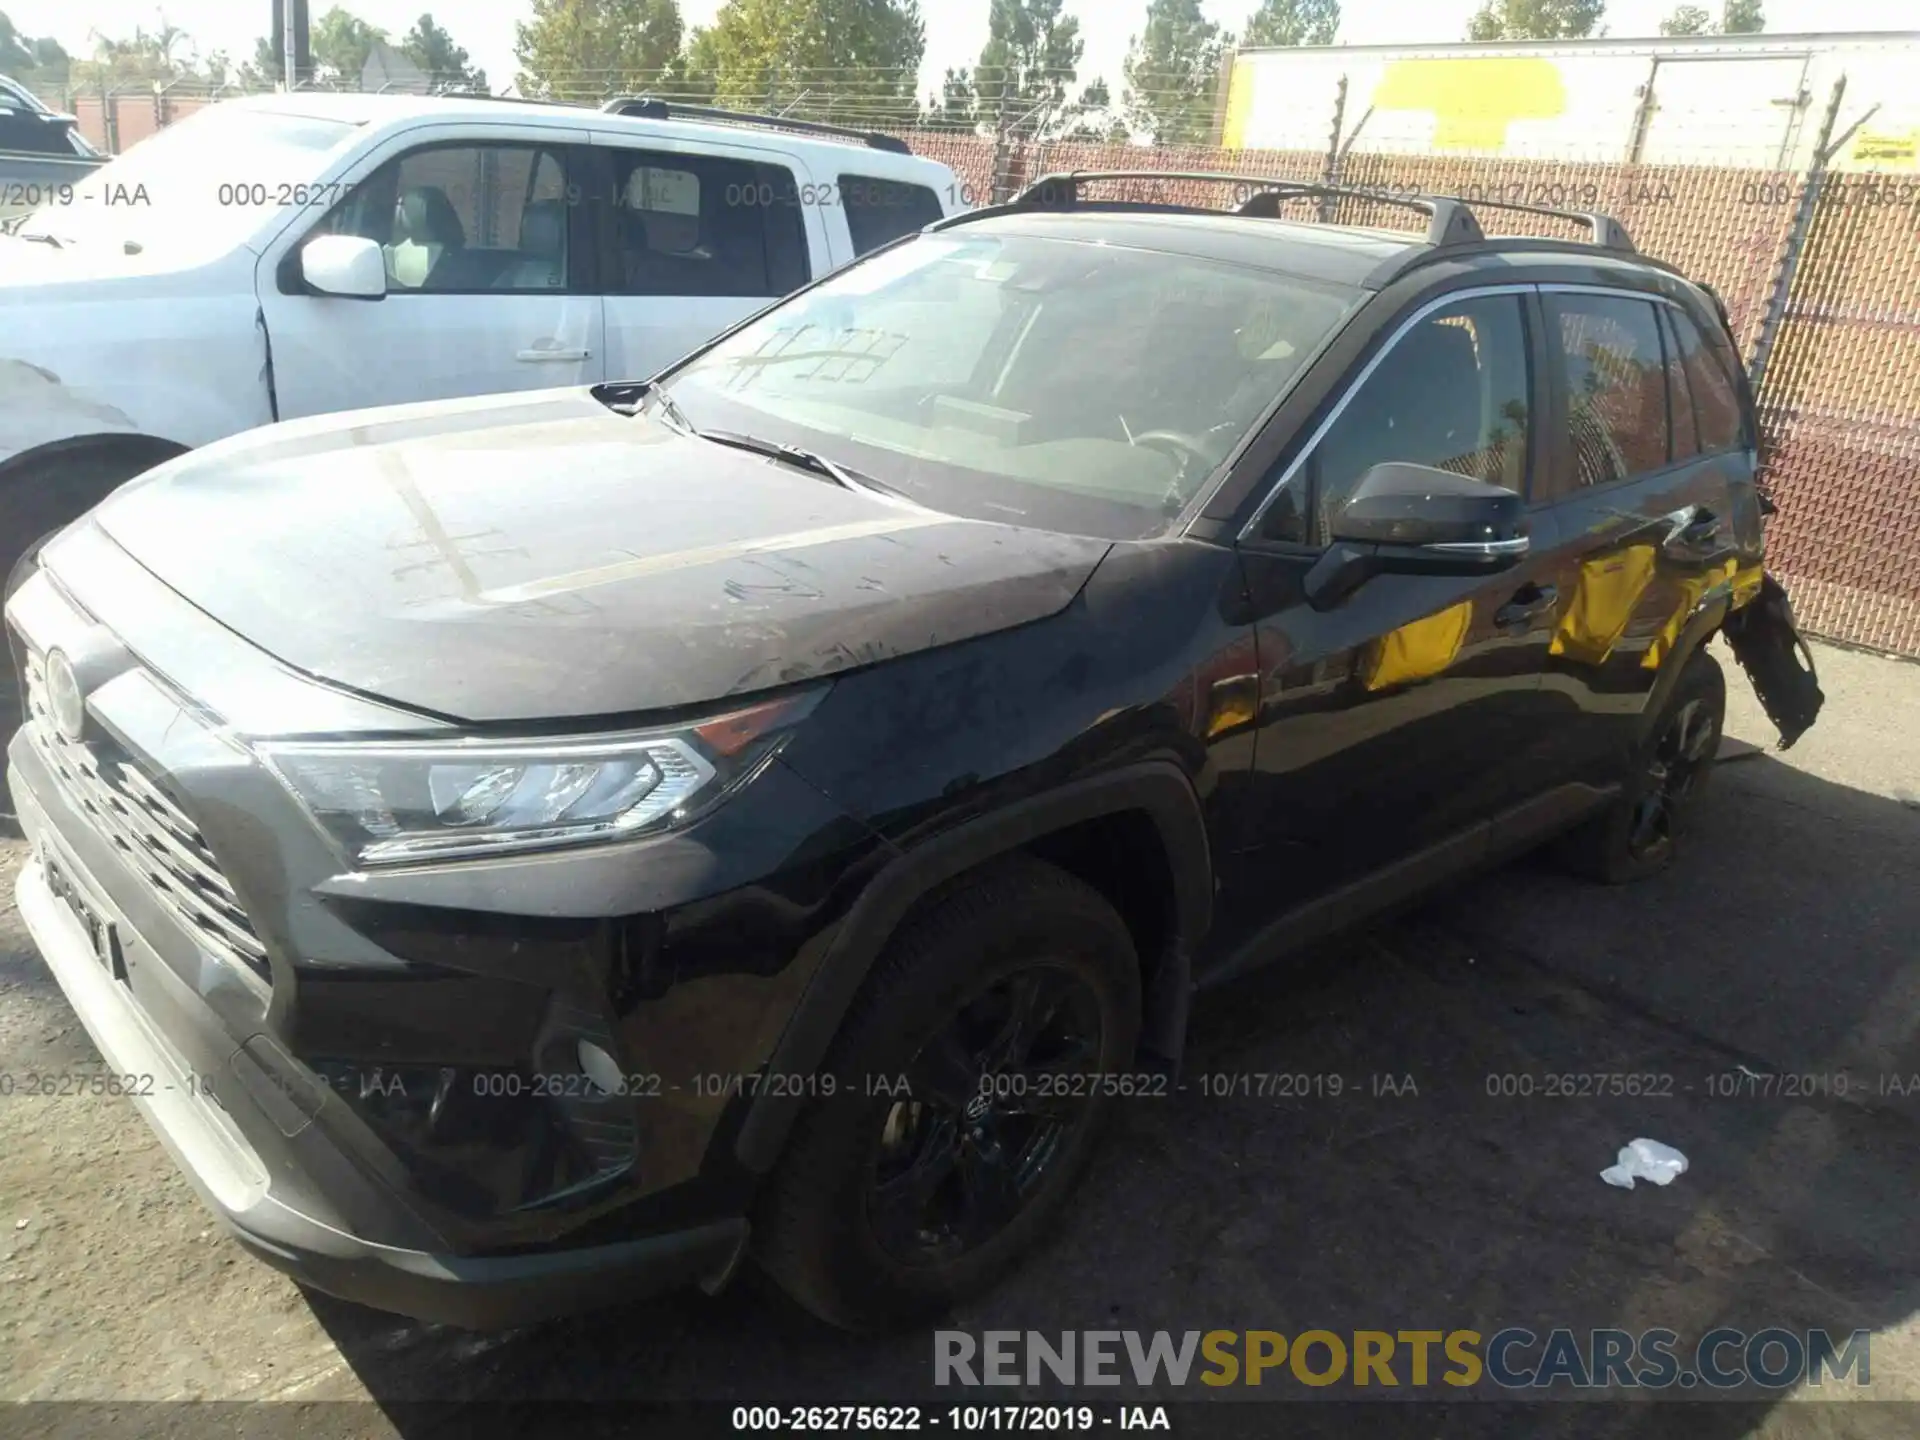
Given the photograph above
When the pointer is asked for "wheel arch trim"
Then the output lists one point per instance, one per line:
(101, 442)
(1159, 788)
(1701, 627)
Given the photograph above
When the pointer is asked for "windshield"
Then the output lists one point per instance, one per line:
(199, 186)
(1060, 383)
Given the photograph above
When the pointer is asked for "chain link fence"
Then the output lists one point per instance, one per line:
(1819, 271)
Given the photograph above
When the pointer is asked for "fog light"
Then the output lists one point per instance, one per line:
(65, 699)
(601, 1068)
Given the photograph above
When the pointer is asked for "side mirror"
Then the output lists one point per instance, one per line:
(1418, 520)
(1416, 505)
(348, 266)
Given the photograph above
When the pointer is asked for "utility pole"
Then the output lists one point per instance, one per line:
(290, 50)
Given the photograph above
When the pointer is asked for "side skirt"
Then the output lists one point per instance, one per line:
(1480, 846)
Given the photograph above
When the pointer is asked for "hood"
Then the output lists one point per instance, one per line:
(542, 557)
(98, 267)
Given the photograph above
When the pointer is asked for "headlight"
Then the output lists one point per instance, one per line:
(389, 802)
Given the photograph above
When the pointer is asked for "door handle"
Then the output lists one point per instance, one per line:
(539, 356)
(1528, 604)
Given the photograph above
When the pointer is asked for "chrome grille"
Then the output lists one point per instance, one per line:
(154, 837)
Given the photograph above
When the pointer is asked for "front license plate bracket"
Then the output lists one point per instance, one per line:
(100, 931)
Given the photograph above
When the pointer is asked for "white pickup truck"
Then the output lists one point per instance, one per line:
(290, 255)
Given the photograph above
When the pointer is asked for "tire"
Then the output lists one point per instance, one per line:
(1638, 834)
(36, 502)
(861, 1223)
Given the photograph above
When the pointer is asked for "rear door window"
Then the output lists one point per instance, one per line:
(705, 225)
(1616, 385)
(882, 210)
(27, 132)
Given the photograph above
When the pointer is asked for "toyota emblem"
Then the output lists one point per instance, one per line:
(65, 699)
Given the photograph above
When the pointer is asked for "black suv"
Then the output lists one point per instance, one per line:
(529, 851)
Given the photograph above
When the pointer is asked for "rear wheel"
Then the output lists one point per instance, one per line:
(965, 1100)
(1639, 833)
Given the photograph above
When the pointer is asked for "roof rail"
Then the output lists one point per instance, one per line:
(1608, 233)
(1450, 222)
(647, 107)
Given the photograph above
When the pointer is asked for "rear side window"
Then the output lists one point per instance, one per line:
(882, 210)
(1451, 393)
(1616, 385)
(705, 225)
(30, 133)
(1716, 399)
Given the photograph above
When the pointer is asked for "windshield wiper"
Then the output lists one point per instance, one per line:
(794, 455)
(52, 240)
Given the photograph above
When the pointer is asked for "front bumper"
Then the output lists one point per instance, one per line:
(264, 1005)
(237, 1183)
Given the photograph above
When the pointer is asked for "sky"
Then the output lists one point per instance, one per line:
(956, 29)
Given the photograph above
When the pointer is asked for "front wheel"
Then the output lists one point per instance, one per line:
(1638, 834)
(36, 502)
(967, 1095)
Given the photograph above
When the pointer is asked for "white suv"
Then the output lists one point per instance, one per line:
(292, 255)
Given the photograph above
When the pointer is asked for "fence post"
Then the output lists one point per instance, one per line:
(1330, 172)
(1643, 114)
(1223, 94)
(109, 118)
(1002, 149)
(290, 46)
(1788, 265)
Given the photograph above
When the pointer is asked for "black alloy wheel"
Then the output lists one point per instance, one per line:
(960, 1102)
(1638, 832)
(1673, 768)
(997, 1095)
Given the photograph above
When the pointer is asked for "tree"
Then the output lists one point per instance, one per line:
(444, 63)
(1172, 72)
(595, 49)
(1293, 22)
(341, 44)
(40, 62)
(952, 109)
(1740, 17)
(51, 63)
(1092, 117)
(692, 76)
(268, 66)
(148, 57)
(855, 61)
(1536, 19)
(16, 51)
(1027, 66)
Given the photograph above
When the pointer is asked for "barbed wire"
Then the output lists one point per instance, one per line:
(1703, 118)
